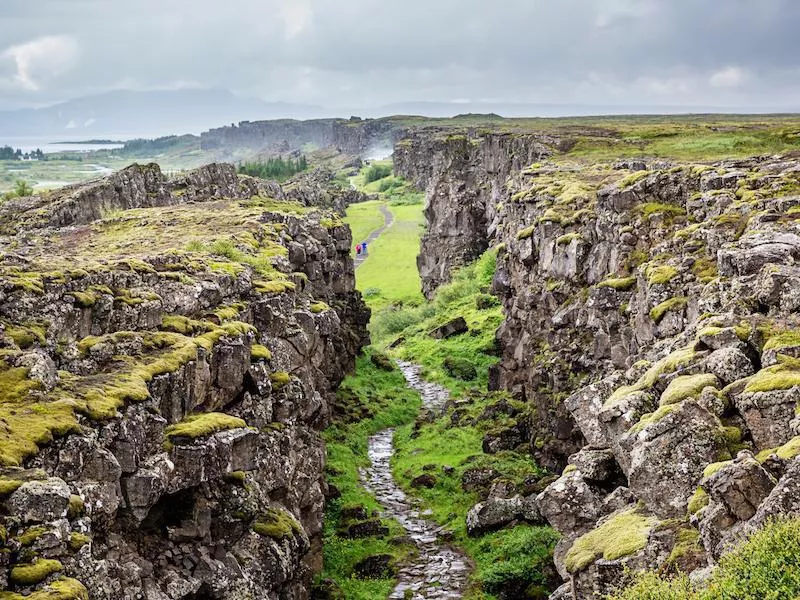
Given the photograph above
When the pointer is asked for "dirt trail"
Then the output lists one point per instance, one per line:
(388, 219)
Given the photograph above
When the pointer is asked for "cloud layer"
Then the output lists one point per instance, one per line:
(737, 53)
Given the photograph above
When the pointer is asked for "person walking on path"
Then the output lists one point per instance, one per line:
(364, 248)
(358, 249)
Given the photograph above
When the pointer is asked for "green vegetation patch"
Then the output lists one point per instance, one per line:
(33, 573)
(619, 536)
(687, 386)
(277, 524)
(765, 566)
(202, 425)
(673, 304)
(456, 299)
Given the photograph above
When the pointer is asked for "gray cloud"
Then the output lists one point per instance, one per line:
(361, 52)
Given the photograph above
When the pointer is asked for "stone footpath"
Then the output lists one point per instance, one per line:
(438, 571)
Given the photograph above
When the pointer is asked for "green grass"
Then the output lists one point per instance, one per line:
(364, 218)
(458, 298)
(373, 399)
(389, 275)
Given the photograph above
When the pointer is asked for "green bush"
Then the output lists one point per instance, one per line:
(766, 567)
(517, 559)
(376, 172)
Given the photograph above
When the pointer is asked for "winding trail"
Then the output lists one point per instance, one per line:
(438, 571)
(388, 220)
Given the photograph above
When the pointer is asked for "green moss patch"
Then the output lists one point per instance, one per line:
(698, 501)
(33, 573)
(660, 274)
(668, 364)
(687, 386)
(63, 588)
(673, 304)
(622, 284)
(619, 536)
(259, 352)
(202, 425)
(277, 524)
(279, 379)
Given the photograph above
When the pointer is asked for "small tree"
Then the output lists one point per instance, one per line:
(22, 188)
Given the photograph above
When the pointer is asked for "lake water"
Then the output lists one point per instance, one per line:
(49, 144)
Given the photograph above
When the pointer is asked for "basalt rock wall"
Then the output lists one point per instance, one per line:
(169, 351)
(651, 325)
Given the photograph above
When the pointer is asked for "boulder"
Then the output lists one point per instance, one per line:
(769, 415)
(496, 513)
(570, 504)
(668, 453)
(364, 529)
(452, 328)
(40, 501)
(729, 364)
(378, 566)
(740, 486)
(596, 465)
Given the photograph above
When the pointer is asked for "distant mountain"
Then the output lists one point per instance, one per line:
(512, 110)
(128, 114)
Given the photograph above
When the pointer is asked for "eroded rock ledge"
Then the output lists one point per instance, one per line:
(169, 348)
(651, 325)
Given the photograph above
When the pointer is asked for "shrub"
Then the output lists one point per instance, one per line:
(376, 172)
(764, 567)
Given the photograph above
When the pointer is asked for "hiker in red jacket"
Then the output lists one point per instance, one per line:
(358, 249)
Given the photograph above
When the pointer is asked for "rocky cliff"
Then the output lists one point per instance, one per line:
(353, 136)
(650, 324)
(169, 350)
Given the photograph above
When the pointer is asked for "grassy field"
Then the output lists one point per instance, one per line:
(389, 275)
(364, 218)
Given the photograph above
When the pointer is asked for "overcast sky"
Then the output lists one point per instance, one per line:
(736, 53)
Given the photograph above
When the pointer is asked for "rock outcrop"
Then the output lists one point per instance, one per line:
(169, 350)
(650, 325)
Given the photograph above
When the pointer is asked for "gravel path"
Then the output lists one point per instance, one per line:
(437, 571)
(388, 219)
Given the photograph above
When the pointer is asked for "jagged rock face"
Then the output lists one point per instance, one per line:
(649, 316)
(166, 368)
(353, 136)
